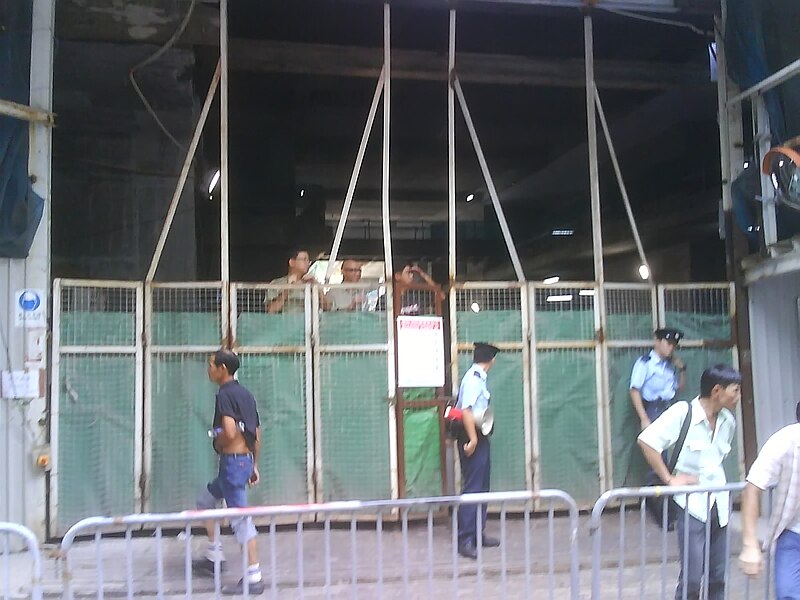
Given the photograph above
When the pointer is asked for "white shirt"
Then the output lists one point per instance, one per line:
(778, 464)
(702, 454)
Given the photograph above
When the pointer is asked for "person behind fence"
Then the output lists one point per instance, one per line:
(708, 442)
(236, 435)
(657, 377)
(777, 466)
(291, 300)
(343, 298)
(474, 449)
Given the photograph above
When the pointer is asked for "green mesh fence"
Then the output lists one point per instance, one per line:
(178, 328)
(261, 329)
(348, 328)
(85, 328)
(567, 416)
(629, 464)
(422, 451)
(96, 439)
(700, 326)
(505, 383)
(181, 411)
(278, 383)
(354, 426)
(497, 326)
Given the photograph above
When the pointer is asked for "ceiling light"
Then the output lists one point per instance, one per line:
(214, 181)
(563, 232)
(302, 193)
(746, 165)
(471, 197)
(644, 272)
(586, 293)
(562, 298)
(475, 307)
(551, 280)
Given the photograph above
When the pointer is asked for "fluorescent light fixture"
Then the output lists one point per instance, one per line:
(746, 165)
(302, 193)
(563, 232)
(475, 307)
(471, 197)
(551, 280)
(644, 272)
(562, 298)
(586, 293)
(214, 181)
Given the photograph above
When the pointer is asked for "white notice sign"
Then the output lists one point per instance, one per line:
(420, 352)
(29, 309)
(20, 384)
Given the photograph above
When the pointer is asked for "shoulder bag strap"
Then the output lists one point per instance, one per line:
(676, 451)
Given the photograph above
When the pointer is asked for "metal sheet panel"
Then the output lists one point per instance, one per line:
(775, 346)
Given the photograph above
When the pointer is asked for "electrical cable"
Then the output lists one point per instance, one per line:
(660, 21)
(169, 43)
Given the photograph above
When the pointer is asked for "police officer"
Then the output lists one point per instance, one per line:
(473, 449)
(657, 377)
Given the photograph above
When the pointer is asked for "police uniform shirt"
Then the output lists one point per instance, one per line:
(473, 392)
(656, 378)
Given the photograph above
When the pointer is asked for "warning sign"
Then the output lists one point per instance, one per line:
(29, 309)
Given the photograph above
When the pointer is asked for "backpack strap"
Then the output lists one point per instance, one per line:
(676, 451)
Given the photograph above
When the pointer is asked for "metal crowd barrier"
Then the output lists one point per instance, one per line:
(635, 561)
(386, 559)
(27, 536)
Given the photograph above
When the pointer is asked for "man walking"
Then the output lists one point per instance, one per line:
(708, 442)
(473, 450)
(777, 465)
(237, 440)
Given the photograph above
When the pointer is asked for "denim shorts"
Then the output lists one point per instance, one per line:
(235, 471)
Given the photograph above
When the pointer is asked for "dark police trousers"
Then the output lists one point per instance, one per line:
(474, 479)
(694, 561)
(654, 410)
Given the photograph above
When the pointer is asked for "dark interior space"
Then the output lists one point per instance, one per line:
(302, 76)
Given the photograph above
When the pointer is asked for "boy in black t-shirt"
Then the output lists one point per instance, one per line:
(237, 439)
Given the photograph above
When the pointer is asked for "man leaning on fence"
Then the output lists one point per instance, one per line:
(708, 441)
(236, 435)
(473, 449)
(778, 466)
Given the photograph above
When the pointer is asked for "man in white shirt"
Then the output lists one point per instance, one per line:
(708, 443)
(777, 465)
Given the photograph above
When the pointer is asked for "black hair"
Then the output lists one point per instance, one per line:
(721, 374)
(293, 252)
(228, 359)
(483, 353)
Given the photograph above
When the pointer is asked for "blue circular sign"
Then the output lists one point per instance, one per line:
(29, 300)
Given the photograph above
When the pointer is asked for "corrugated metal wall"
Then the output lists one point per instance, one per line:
(775, 342)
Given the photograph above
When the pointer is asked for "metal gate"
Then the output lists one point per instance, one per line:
(95, 400)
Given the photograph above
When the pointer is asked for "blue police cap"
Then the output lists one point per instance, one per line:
(670, 334)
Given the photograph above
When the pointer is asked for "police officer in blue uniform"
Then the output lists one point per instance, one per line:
(657, 377)
(473, 449)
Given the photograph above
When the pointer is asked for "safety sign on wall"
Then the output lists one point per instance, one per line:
(420, 352)
(29, 308)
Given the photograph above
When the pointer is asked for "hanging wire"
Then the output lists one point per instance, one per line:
(153, 57)
(660, 21)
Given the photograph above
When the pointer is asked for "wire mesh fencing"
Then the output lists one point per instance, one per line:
(569, 407)
(275, 353)
(94, 400)
(183, 327)
(355, 427)
(496, 313)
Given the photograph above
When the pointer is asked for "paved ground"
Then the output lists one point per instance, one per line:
(289, 561)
